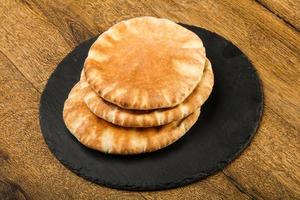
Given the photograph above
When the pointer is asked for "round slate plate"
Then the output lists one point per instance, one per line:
(227, 123)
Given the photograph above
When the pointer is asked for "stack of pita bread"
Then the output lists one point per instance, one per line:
(141, 88)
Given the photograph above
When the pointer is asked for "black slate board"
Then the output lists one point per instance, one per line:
(228, 121)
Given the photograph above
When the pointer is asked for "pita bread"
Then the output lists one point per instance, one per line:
(145, 63)
(142, 118)
(98, 134)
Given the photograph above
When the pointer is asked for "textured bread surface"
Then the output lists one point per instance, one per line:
(100, 135)
(147, 118)
(145, 63)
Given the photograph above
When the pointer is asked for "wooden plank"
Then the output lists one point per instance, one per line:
(30, 42)
(287, 10)
(27, 167)
(206, 189)
(270, 167)
(75, 28)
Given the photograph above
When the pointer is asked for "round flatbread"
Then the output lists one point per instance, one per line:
(100, 135)
(145, 63)
(143, 118)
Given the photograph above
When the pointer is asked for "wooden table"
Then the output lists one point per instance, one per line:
(35, 35)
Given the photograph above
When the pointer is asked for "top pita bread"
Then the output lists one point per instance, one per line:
(141, 118)
(98, 134)
(145, 63)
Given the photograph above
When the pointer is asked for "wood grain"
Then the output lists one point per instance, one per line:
(287, 10)
(36, 35)
(31, 45)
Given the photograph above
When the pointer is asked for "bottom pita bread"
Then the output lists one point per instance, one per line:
(100, 135)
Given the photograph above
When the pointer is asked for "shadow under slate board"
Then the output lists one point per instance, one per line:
(228, 121)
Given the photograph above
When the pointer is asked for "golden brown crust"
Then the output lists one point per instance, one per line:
(145, 63)
(143, 118)
(100, 135)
